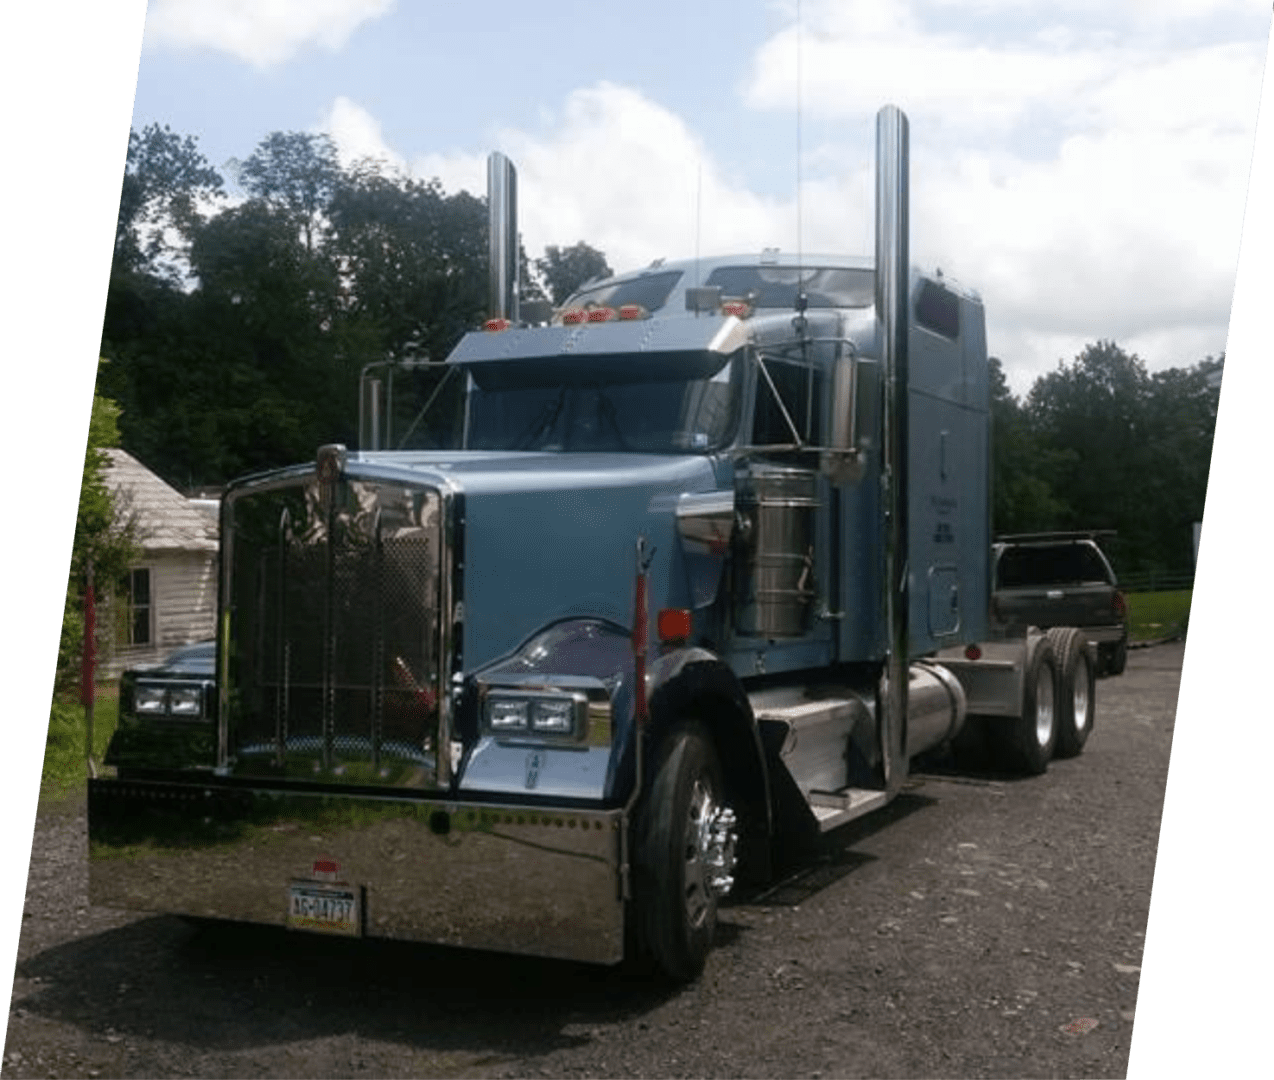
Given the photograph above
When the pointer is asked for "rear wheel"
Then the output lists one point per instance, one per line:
(685, 845)
(1033, 735)
(1076, 689)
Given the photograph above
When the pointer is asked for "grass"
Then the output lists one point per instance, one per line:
(1155, 615)
(65, 771)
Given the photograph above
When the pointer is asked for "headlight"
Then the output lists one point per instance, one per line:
(561, 715)
(149, 700)
(506, 714)
(185, 700)
(553, 716)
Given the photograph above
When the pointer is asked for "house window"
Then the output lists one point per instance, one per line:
(137, 607)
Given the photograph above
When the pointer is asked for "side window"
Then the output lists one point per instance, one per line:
(800, 389)
(137, 607)
(938, 310)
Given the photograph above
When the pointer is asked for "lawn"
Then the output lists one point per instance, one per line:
(1155, 615)
(64, 767)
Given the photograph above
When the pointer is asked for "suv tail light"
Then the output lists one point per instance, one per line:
(1119, 604)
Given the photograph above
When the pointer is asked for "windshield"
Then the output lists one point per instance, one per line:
(650, 290)
(776, 286)
(623, 403)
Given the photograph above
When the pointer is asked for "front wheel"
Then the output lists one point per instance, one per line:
(684, 855)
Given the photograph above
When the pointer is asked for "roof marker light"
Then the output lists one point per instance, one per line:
(573, 316)
(740, 309)
(496, 325)
(601, 314)
(633, 311)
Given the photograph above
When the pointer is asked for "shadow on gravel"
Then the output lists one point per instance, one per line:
(222, 987)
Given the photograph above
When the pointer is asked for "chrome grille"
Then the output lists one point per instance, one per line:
(335, 665)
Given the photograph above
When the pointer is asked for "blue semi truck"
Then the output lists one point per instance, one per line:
(648, 585)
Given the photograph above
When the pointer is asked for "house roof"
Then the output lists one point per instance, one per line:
(166, 519)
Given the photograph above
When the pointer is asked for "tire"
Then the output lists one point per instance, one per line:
(1076, 689)
(1118, 658)
(684, 852)
(1033, 735)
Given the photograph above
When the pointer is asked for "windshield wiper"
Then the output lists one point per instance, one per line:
(542, 423)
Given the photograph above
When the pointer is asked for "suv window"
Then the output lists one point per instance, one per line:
(1051, 564)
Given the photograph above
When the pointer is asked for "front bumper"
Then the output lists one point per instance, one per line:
(535, 880)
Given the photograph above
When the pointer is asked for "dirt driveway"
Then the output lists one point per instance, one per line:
(982, 925)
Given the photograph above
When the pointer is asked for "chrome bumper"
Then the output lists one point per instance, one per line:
(541, 881)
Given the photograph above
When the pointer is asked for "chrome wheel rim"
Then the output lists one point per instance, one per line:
(1082, 706)
(1044, 706)
(709, 853)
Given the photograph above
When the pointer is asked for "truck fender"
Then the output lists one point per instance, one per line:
(692, 682)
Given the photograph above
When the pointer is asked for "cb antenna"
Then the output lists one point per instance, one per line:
(801, 300)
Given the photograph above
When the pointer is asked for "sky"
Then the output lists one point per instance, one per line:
(1082, 164)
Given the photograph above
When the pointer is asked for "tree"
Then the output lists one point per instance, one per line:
(165, 177)
(565, 269)
(296, 173)
(105, 534)
(1139, 446)
(413, 261)
(1023, 470)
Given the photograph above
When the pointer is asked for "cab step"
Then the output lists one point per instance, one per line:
(832, 809)
(810, 739)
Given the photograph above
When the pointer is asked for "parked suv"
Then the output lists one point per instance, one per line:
(167, 713)
(1061, 579)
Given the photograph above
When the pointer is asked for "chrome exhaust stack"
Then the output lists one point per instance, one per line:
(893, 279)
(502, 210)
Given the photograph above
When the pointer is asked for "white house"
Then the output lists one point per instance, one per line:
(170, 596)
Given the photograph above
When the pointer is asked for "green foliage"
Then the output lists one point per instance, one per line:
(1025, 473)
(104, 534)
(1122, 449)
(164, 178)
(64, 767)
(254, 360)
(565, 269)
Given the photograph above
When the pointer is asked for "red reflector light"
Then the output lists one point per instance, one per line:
(632, 311)
(740, 309)
(972, 652)
(496, 324)
(573, 317)
(601, 314)
(325, 870)
(674, 624)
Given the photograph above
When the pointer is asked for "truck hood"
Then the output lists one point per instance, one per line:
(549, 536)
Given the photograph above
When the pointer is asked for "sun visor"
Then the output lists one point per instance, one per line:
(697, 341)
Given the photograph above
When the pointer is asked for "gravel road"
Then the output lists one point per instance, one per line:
(982, 925)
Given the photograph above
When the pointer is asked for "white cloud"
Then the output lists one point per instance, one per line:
(261, 32)
(1088, 179)
(624, 174)
(358, 136)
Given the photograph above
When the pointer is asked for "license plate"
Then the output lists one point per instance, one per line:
(325, 909)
